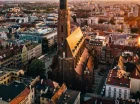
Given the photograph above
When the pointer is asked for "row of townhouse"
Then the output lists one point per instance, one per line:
(16, 56)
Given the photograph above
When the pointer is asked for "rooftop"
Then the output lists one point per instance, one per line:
(10, 92)
(39, 31)
(75, 40)
(58, 94)
(68, 97)
(21, 96)
(118, 78)
(9, 51)
(82, 62)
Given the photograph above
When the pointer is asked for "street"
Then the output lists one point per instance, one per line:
(99, 80)
(48, 60)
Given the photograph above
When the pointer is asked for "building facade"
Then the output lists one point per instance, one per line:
(117, 85)
(10, 56)
(73, 56)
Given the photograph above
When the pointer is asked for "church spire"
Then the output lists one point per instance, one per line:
(63, 4)
(63, 28)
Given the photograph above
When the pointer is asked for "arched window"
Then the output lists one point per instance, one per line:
(62, 28)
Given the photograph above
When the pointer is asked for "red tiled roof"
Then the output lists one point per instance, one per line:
(114, 79)
(62, 89)
(21, 96)
(9, 52)
(83, 60)
(79, 69)
(5, 53)
(90, 64)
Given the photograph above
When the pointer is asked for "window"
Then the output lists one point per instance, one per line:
(125, 91)
(109, 88)
(62, 28)
(120, 90)
(114, 90)
(125, 96)
(109, 94)
(114, 95)
(119, 95)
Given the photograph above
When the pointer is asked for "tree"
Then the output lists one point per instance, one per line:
(37, 67)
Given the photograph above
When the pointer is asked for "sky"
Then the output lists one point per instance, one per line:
(70, 0)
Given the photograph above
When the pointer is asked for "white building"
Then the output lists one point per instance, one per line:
(118, 84)
(52, 21)
(32, 18)
(93, 20)
(20, 19)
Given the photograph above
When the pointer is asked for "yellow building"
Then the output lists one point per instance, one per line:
(9, 75)
(13, 87)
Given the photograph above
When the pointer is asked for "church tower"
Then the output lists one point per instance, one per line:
(63, 28)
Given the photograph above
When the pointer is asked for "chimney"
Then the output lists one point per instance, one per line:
(41, 81)
(64, 55)
(30, 87)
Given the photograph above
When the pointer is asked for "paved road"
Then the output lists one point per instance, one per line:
(48, 60)
(99, 80)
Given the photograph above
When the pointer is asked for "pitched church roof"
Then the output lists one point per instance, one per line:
(75, 40)
(83, 62)
(90, 64)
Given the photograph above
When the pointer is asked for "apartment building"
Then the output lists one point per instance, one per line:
(117, 84)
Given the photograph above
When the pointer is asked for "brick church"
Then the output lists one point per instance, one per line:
(73, 64)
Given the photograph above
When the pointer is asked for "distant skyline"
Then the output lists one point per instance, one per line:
(68, 0)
